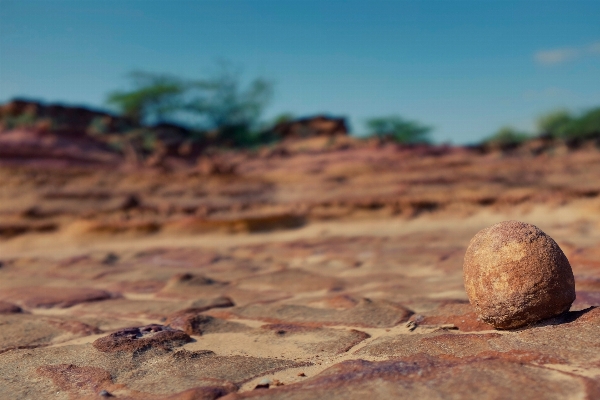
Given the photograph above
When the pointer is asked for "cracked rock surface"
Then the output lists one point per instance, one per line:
(203, 288)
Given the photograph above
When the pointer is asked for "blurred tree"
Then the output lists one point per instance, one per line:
(587, 126)
(562, 125)
(507, 136)
(227, 107)
(219, 104)
(153, 97)
(398, 129)
(283, 117)
(555, 124)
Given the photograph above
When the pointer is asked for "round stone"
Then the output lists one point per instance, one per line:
(515, 275)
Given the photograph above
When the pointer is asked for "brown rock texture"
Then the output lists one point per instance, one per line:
(69, 377)
(143, 338)
(54, 297)
(9, 308)
(320, 268)
(319, 125)
(515, 275)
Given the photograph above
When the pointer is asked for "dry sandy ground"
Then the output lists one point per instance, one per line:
(291, 287)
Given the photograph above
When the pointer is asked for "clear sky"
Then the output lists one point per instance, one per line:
(464, 67)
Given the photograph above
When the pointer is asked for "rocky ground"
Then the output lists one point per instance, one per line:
(293, 274)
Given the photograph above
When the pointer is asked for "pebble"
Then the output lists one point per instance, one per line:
(516, 275)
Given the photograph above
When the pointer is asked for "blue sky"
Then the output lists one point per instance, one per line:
(464, 67)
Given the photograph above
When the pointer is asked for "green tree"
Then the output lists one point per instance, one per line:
(220, 103)
(153, 97)
(555, 124)
(562, 125)
(507, 136)
(587, 126)
(398, 129)
(283, 117)
(225, 105)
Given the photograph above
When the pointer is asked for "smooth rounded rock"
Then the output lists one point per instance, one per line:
(515, 275)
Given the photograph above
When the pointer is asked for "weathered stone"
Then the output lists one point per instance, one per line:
(9, 308)
(427, 377)
(143, 338)
(27, 331)
(367, 313)
(54, 297)
(192, 322)
(515, 274)
(71, 377)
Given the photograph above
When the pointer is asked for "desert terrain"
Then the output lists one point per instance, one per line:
(325, 268)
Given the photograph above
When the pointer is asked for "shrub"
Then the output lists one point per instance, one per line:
(219, 104)
(153, 97)
(223, 104)
(587, 126)
(507, 136)
(562, 125)
(555, 124)
(398, 129)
